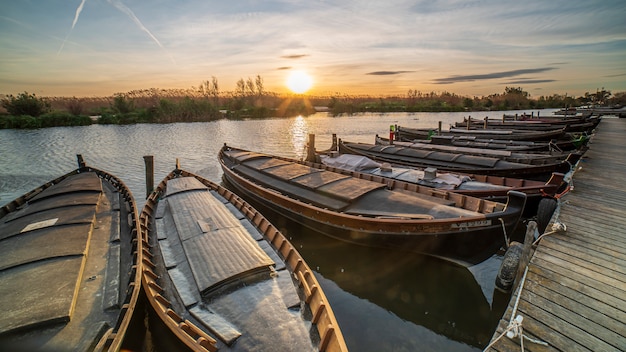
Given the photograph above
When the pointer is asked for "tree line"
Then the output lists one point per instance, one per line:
(207, 102)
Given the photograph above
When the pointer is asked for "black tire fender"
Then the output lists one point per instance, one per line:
(508, 267)
(545, 210)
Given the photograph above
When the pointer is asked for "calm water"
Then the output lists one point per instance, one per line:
(384, 301)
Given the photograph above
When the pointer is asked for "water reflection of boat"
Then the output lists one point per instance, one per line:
(392, 300)
(460, 228)
(221, 277)
(69, 253)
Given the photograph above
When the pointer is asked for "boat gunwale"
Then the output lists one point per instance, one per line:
(331, 337)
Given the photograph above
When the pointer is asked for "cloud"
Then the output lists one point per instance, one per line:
(386, 73)
(531, 81)
(494, 75)
(299, 56)
(284, 68)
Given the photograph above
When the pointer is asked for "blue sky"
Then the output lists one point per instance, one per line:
(474, 48)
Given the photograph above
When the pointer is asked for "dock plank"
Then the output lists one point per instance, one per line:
(574, 295)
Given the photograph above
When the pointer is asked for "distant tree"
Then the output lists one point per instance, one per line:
(215, 91)
(259, 85)
(25, 104)
(241, 88)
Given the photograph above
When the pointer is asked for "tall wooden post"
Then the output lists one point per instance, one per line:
(310, 151)
(81, 161)
(486, 124)
(149, 162)
(439, 134)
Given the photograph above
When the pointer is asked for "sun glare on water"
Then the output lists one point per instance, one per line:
(299, 82)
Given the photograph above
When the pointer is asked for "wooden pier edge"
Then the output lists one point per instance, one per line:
(572, 295)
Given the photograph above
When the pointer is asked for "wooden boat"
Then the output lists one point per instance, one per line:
(69, 254)
(459, 228)
(576, 143)
(493, 188)
(457, 162)
(536, 158)
(221, 277)
(515, 135)
(570, 125)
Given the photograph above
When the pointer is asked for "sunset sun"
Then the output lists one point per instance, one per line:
(299, 82)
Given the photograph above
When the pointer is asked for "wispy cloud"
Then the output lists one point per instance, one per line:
(531, 81)
(386, 73)
(494, 75)
(298, 56)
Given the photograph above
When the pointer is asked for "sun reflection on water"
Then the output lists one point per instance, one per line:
(299, 131)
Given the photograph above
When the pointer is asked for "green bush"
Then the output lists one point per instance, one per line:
(25, 104)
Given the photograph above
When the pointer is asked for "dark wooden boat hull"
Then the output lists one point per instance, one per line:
(414, 133)
(247, 281)
(467, 164)
(467, 240)
(69, 275)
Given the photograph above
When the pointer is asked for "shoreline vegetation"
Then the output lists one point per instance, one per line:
(207, 103)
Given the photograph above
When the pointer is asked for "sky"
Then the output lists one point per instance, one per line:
(95, 48)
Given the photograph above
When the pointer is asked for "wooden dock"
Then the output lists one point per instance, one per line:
(573, 297)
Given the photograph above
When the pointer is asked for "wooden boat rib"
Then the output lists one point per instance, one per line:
(456, 162)
(452, 226)
(69, 257)
(220, 276)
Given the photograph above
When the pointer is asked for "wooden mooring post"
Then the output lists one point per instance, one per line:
(149, 162)
(310, 150)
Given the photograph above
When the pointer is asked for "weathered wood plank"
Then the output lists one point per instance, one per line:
(597, 257)
(585, 276)
(588, 319)
(587, 292)
(562, 322)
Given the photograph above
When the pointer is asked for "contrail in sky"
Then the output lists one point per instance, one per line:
(118, 4)
(78, 11)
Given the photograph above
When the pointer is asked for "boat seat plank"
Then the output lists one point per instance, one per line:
(185, 286)
(86, 182)
(303, 194)
(315, 180)
(350, 189)
(226, 252)
(223, 329)
(39, 306)
(44, 244)
(184, 184)
(261, 162)
(74, 209)
(267, 248)
(400, 203)
(242, 156)
(111, 297)
(287, 171)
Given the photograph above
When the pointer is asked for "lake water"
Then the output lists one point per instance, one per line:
(383, 300)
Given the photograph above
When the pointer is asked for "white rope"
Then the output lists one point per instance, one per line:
(556, 227)
(515, 328)
(506, 237)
